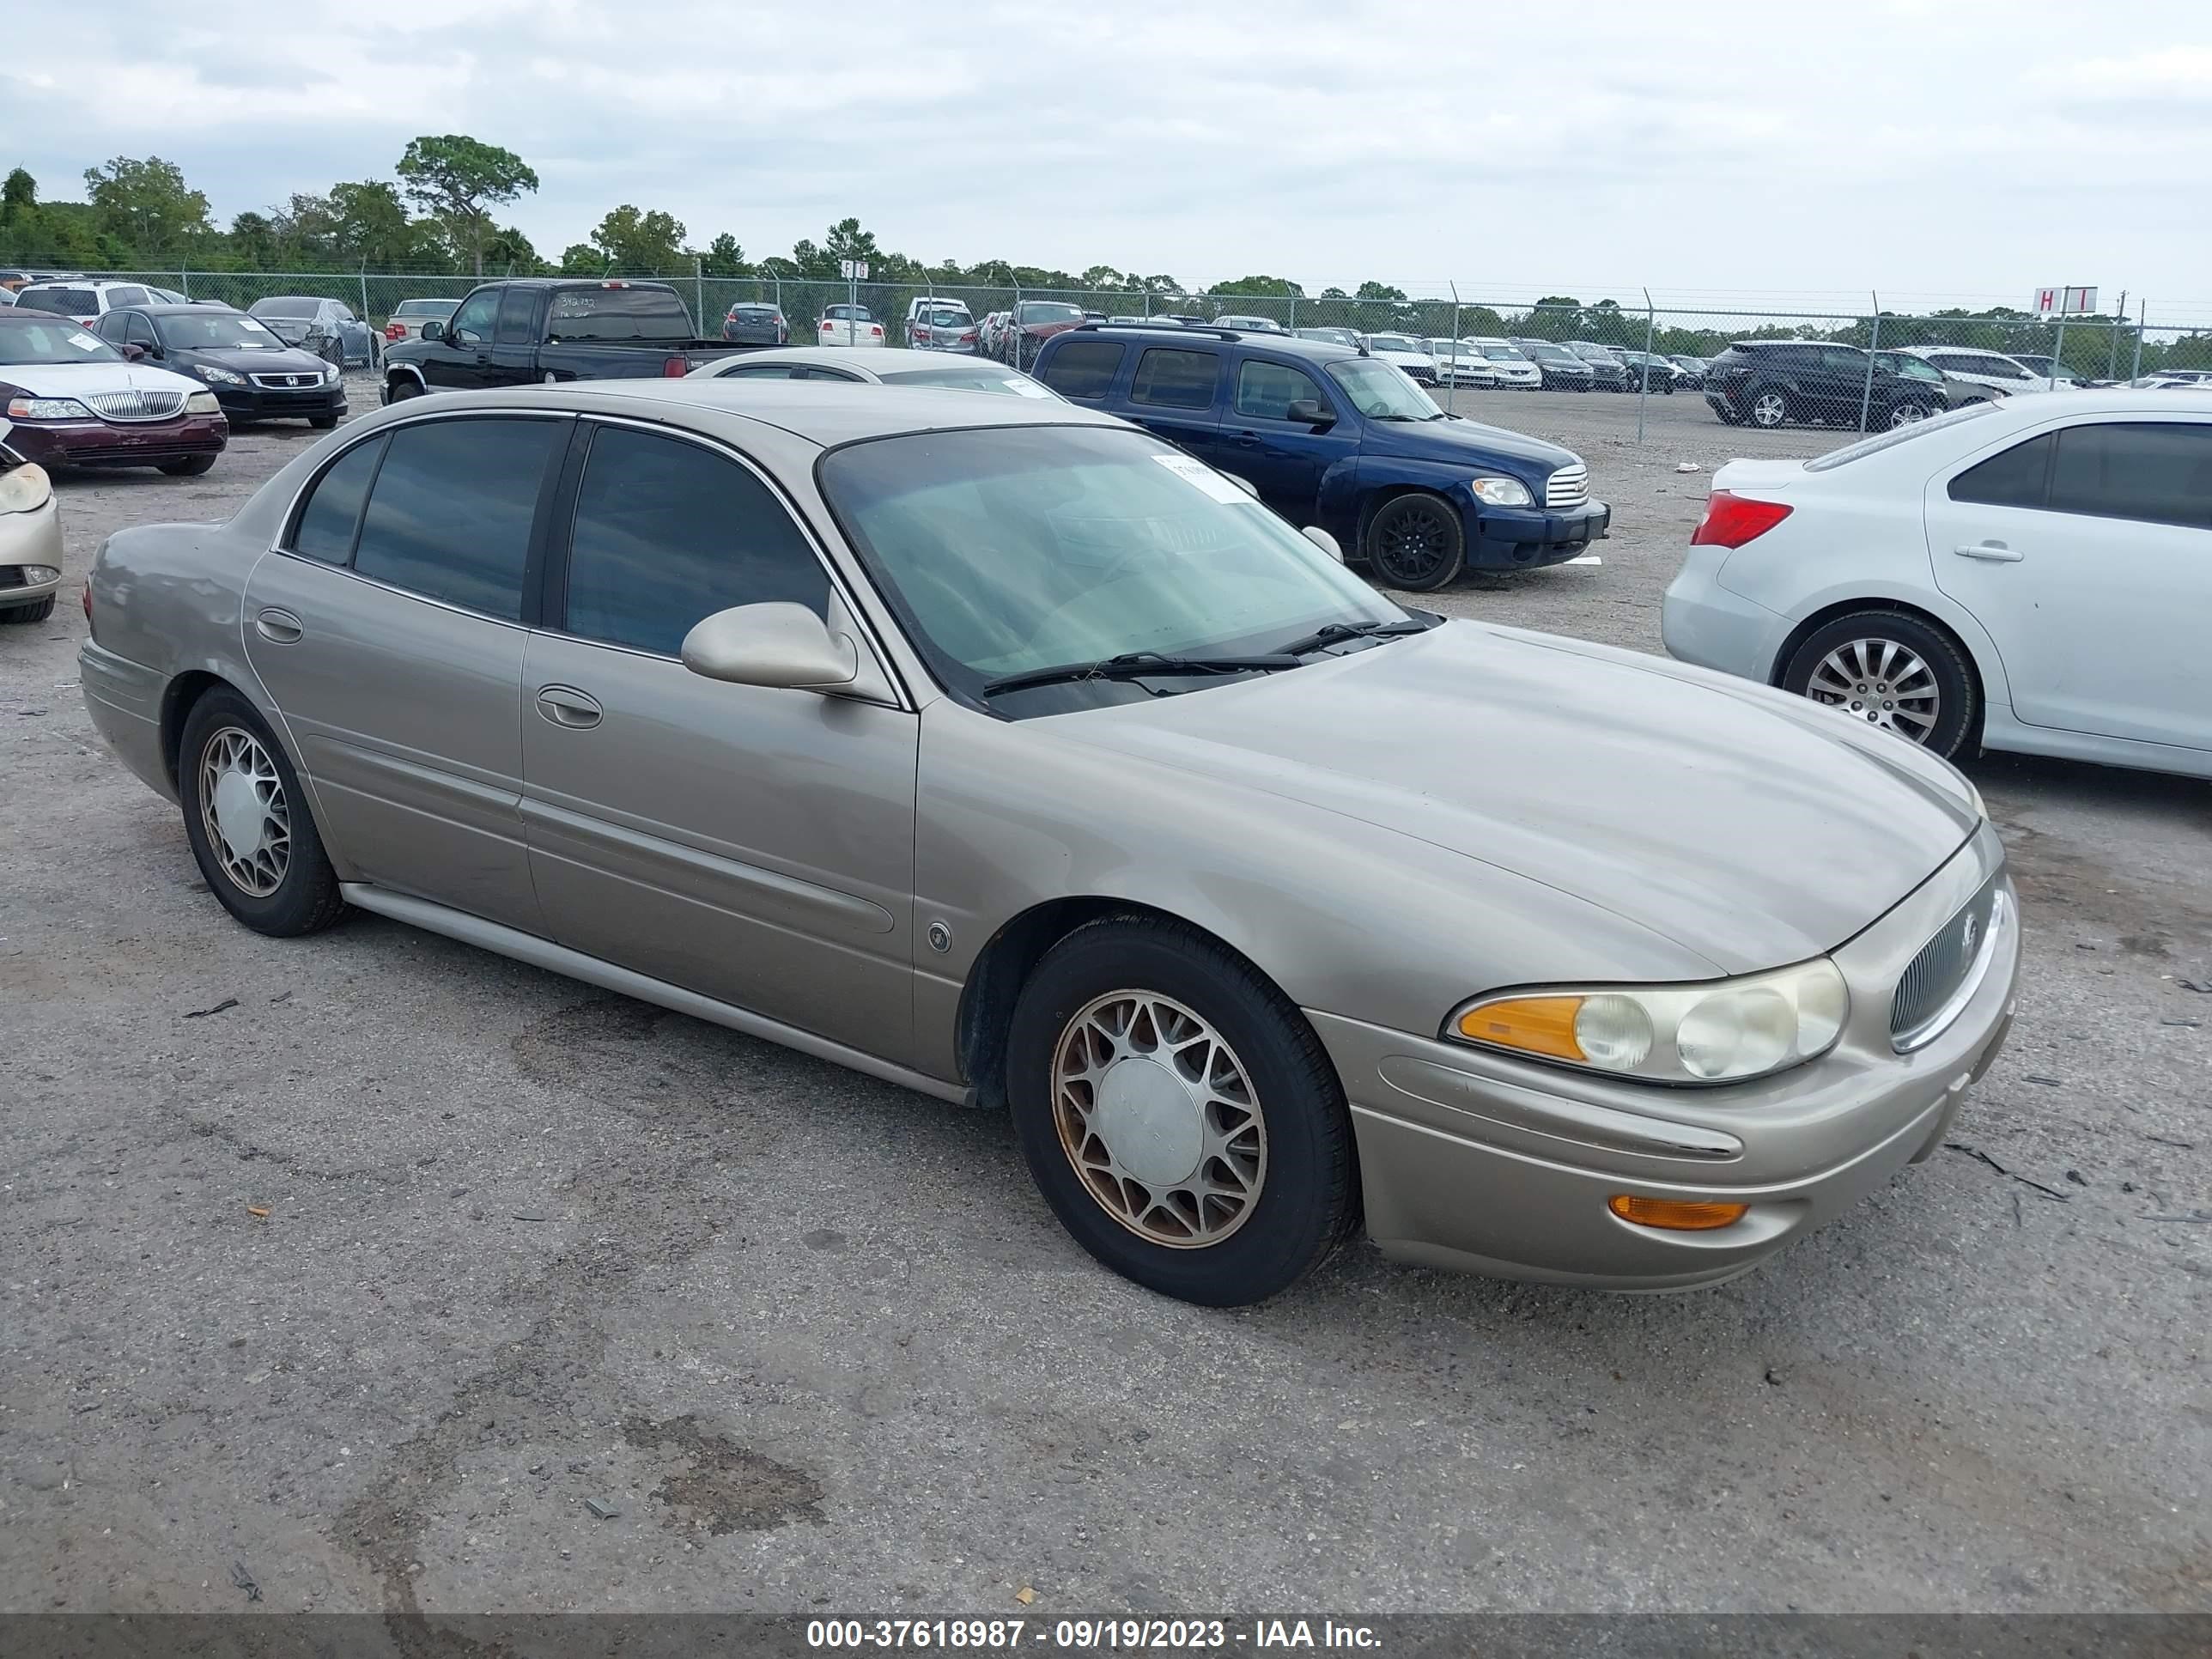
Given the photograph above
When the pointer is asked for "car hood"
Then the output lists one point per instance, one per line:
(1463, 441)
(289, 361)
(86, 380)
(1749, 828)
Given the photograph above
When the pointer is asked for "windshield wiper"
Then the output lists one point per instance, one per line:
(1135, 664)
(1336, 632)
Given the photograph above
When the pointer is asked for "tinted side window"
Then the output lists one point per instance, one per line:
(139, 331)
(1265, 392)
(112, 327)
(514, 316)
(332, 511)
(2158, 471)
(1180, 380)
(126, 296)
(1840, 361)
(760, 371)
(2013, 477)
(667, 532)
(1085, 369)
(474, 316)
(450, 516)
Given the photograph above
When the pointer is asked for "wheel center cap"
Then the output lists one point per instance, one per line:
(238, 814)
(1150, 1120)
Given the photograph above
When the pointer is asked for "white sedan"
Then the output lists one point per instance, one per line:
(2030, 574)
(1403, 352)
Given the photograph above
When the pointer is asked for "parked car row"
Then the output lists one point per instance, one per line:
(71, 398)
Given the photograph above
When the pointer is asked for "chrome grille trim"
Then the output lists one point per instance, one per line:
(1941, 979)
(137, 405)
(287, 382)
(1569, 486)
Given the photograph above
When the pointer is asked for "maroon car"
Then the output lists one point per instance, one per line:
(1033, 322)
(75, 400)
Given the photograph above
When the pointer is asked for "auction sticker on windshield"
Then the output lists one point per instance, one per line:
(1202, 477)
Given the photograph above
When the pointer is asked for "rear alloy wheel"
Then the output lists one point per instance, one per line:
(248, 823)
(1178, 1114)
(1894, 671)
(1414, 543)
(1908, 414)
(1769, 407)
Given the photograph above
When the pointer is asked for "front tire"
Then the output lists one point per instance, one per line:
(401, 387)
(1414, 543)
(1178, 1114)
(191, 467)
(247, 820)
(1894, 672)
(36, 611)
(322, 423)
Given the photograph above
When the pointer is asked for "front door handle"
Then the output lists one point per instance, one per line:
(1247, 440)
(279, 627)
(1995, 552)
(564, 705)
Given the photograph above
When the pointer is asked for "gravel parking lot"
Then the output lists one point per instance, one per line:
(370, 1262)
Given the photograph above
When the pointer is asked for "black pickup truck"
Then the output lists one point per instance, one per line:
(550, 329)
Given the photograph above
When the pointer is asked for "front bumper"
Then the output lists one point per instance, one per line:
(30, 541)
(1482, 1163)
(108, 443)
(252, 402)
(1524, 538)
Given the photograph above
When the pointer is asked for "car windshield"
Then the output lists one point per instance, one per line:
(1900, 435)
(1014, 549)
(1381, 393)
(1596, 354)
(25, 338)
(1393, 343)
(216, 331)
(1502, 353)
(284, 307)
(427, 308)
(970, 377)
(1051, 311)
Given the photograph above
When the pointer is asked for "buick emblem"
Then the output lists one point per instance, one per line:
(1970, 933)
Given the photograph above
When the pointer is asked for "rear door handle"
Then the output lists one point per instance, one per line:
(1248, 440)
(1995, 552)
(279, 627)
(566, 706)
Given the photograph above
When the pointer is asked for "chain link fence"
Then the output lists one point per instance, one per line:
(1905, 363)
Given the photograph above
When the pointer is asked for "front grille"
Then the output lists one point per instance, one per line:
(287, 382)
(1570, 486)
(11, 575)
(1926, 999)
(137, 405)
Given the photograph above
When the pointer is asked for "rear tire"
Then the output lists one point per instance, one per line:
(1414, 543)
(1223, 1074)
(1894, 672)
(1727, 416)
(190, 467)
(283, 886)
(1768, 407)
(36, 611)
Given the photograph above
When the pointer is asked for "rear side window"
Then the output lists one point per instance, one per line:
(1179, 380)
(332, 512)
(1265, 392)
(2155, 471)
(450, 513)
(63, 301)
(667, 534)
(126, 296)
(1086, 369)
(2012, 477)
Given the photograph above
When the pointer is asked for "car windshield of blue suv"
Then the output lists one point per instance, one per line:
(28, 338)
(1012, 550)
(217, 331)
(1381, 393)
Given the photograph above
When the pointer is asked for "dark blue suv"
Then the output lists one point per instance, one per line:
(1330, 436)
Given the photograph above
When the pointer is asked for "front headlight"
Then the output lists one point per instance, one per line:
(1500, 492)
(219, 376)
(1719, 1031)
(24, 489)
(202, 403)
(47, 409)
(330, 374)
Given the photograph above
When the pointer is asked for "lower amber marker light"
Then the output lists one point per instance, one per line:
(1675, 1214)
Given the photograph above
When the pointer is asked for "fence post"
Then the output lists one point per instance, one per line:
(1644, 368)
(699, 294)
(1451, 373)
(364, 288)
(1874, 344)
(185, 279)
(2119, 319)
(2142, 318)
(1294, 314)
(2058, 351)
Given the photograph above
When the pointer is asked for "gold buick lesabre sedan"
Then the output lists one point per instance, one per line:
(996, 748)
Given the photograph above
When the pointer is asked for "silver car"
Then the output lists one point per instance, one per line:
(892, 365)
(996, 748)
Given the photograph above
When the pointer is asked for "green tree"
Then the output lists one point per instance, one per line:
(509, 249)
(369, 226)
(723, 257)
(847, 241)
(1377, 291)
(19, 197)
(460, 179)
(147, 205)
(635, 239)
(253, 239)
(776, 266)
(581, 259)
(1106, 276)
(1272, 287)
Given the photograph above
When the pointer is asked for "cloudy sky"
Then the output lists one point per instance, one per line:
(1967, 149)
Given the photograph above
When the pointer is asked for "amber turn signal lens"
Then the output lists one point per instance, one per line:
(1535, 1025)
(1675, 1214)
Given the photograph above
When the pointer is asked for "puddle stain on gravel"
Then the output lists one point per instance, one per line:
(731, 1488)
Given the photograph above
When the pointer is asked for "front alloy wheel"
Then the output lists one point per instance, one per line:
(1414, 543)
(1769, 409)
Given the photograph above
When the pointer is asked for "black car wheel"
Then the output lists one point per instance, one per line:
(1178, 1114)
(36, 611)
(1892, 670)
(1727, 415)
(1414, 542)
(248, 823)
(322, 423)
(191, 467)
(401, 388)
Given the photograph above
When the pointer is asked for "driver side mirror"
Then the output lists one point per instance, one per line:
(133, 350)
(776, 644)
(434, 331)
(1311, 411)
(1321, 539)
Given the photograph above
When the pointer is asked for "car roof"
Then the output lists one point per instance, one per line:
(874, 362)
(1184, 335)
(818, 412)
